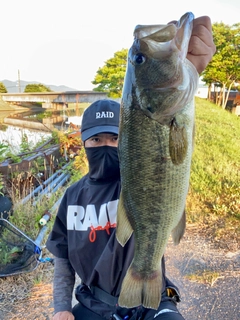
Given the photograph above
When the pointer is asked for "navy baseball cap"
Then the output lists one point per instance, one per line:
(100, 116)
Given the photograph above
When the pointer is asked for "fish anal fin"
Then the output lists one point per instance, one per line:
(178, 231)
(178, 142)
(144, 291)
(124, 228)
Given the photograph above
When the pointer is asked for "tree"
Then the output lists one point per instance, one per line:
(37, 88)
(110, 77)
(3, 89)
(224, 69)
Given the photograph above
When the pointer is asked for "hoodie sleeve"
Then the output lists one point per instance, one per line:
(57, 242)
(63, 284)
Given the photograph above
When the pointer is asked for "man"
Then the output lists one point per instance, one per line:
(83, 236)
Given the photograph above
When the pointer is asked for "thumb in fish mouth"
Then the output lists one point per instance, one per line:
(149, 37)
(150, 48)
(186, 15)
(184, 31)
(171, 37)
(173, 22)
(180, 30)
(157, 32)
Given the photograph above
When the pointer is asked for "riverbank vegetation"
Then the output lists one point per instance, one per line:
(18, 185)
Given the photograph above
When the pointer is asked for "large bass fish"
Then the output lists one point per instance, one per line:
(155, 150)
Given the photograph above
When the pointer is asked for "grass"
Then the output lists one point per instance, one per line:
(214, 196)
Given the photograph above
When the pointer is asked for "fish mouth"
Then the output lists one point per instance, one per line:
(160, 41)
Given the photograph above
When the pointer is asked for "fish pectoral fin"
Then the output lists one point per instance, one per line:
(178, 231)
(124, 228)
(178, 142)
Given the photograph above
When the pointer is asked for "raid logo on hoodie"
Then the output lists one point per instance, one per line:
(81, 219)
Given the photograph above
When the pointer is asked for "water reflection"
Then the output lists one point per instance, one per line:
(37, 125)
(49, 119)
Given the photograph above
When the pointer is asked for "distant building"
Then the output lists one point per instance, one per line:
(202, 91)
(233, 103)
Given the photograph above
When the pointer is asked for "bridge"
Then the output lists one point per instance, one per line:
(55, 100)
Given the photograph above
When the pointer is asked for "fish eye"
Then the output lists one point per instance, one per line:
(140, 58)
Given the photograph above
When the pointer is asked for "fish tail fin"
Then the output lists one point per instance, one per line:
(137, 291)
(178, 231)
(152, 292)
(124, 228)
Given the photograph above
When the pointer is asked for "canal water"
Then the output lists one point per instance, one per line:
(12, 135)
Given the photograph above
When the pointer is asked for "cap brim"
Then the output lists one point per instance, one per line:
(95, 130)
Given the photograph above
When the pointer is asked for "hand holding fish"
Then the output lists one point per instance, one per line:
(201, 47)
(63, 315)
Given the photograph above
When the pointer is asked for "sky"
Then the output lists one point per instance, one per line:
(64, 42)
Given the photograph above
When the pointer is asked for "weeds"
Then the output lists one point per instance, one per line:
(206, 276)
(25, 145)
(26, 216)
(3, 127)
(3, 150)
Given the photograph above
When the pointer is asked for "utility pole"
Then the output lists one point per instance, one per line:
(19, 84)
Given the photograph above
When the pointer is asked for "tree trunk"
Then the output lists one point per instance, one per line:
(227, 95)
(209, 92)
(223, 96)
(215, 95)
(219, 97)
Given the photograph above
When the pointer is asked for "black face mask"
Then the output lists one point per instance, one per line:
(103, 163)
